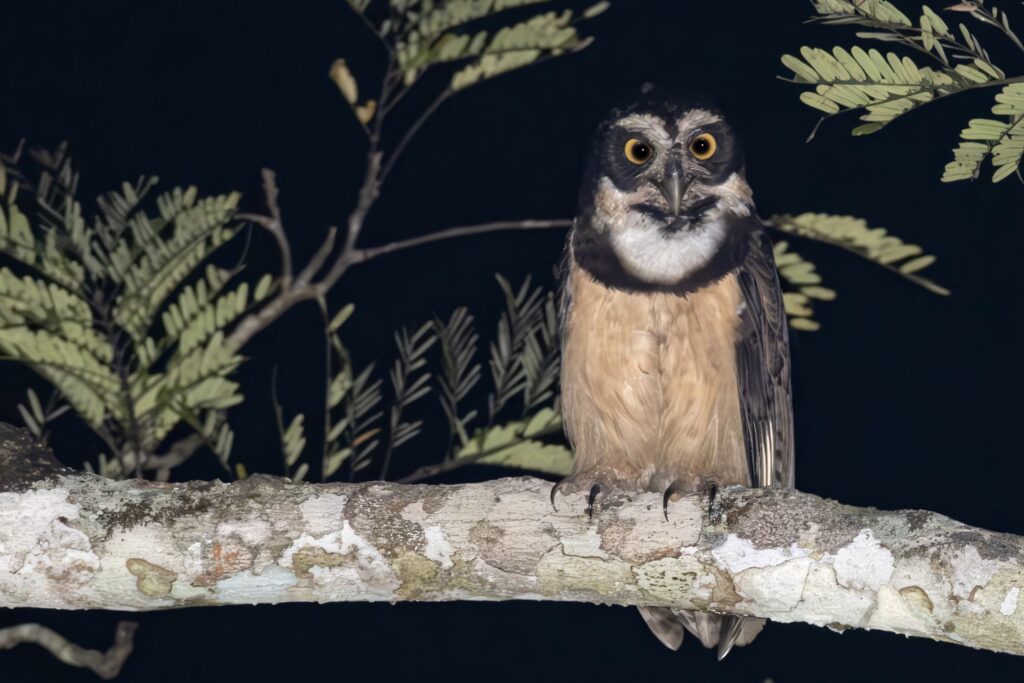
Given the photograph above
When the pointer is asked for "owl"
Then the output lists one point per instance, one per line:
(675, 355)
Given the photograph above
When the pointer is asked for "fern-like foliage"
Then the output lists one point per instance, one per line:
(519, 444)
(82, 300)
(883, 86)
(1002, 140)
(525, 366)
(37, 418)
(409, 383)
(477, 39)
(856, 236)
(803, 285)
(540, 360)
(524, 309)
(458, 342)
(352, 409)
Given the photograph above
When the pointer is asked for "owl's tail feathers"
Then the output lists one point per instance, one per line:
(713, 630)
(664, 624)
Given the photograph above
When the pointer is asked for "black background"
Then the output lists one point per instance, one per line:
(903, 400)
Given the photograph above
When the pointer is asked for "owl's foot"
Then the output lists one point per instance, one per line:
(676, 487)
(602, 489)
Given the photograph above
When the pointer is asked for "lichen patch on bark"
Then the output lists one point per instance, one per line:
(153, 581)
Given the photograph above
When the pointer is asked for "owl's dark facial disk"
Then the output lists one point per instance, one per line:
(664, 190)
(668, 169)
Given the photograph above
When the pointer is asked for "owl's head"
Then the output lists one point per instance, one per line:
(664, 196)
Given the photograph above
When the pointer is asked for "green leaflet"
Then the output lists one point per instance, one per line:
(801, 276)
(294, 439)
(202, 309)
(512, 47)
(855, 235)
(883, 87)
(454, 13)
(424, 35)
(351, 406)
(79, 307)
(512, 445)
(160, 266)
(1003, 141)
(881, 10)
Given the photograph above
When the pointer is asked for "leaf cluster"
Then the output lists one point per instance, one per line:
(883, 86)
(476, 39)
(444, 356)
(110, 310)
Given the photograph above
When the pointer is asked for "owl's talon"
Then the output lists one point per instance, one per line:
(712, 493)
(594, 490)
(554, 490)
(672, 489)
(597, 485)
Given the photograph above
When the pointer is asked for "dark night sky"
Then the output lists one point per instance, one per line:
(903, 400)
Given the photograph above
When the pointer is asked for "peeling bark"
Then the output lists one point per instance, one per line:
(71, 540)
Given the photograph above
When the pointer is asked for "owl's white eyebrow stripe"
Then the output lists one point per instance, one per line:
(696, 118)
(646, 125)
(694, 121)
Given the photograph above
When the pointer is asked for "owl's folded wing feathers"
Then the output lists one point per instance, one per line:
(762, 355)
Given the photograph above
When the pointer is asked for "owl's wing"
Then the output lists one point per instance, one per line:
(762, 355)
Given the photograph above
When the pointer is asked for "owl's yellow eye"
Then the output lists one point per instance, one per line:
(704, 146)
(638, 152)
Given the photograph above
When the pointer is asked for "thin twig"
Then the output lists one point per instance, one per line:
(328, 379)
(278, 419)
(374, 30)
(368, 253)
(178, 454)
(985, 16)
(413, 129)
(319, 258)
(273, 224)
(106, 665)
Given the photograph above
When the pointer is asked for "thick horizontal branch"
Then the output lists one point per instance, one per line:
(78, 541)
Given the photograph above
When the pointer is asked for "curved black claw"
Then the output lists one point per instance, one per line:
(594, 490)
(672, 489)
(730, 630)
(712, 492)
(554, 490)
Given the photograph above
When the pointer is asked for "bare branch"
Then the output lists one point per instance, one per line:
(368, 253)
(178, 454)
(106, 665)
(274, 225)
(306, 287)
(413, 129)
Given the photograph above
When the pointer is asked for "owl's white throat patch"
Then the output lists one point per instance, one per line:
(652, 254)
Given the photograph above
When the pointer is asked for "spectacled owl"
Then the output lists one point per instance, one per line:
(675, 355)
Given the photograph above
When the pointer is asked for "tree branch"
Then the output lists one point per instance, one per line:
(82, 541)
(368, 253)
(178, 454)
(274, 225)
(106, 665)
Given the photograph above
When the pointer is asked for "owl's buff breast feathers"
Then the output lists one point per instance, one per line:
(649, 385)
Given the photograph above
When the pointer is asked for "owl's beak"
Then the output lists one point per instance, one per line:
(673, 187)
